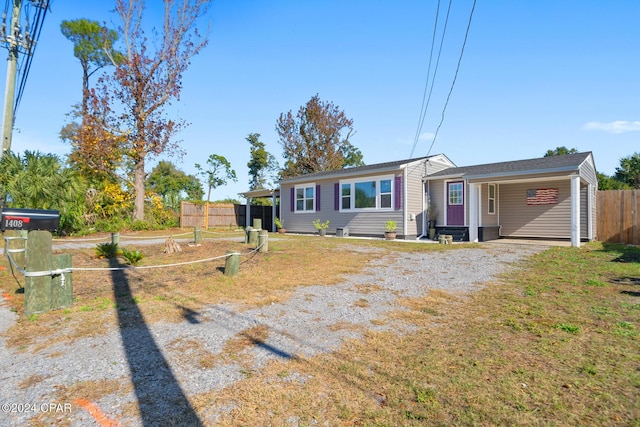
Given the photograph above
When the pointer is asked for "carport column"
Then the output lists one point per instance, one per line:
(274, 212)
(590, 203)
(575, 211)
(247, 219)
(473, 212)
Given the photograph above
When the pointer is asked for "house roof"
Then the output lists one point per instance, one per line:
(563, 163)
(354, 170)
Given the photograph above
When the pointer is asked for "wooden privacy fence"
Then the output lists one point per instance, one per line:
(618, 216)
(222, 215)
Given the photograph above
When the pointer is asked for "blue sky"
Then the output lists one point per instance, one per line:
(534, 76)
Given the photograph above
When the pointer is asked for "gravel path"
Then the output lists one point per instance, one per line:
(161, 374)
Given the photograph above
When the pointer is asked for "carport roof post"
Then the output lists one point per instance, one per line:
(261, 193)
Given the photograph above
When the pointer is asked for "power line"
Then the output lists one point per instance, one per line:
(455, 77)
(425, 106)
(32, 41)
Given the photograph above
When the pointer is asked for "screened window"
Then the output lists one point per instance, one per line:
(492, 199)
(305, 198)
(367, 194)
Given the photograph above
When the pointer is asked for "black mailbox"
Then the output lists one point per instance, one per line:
(29, 219)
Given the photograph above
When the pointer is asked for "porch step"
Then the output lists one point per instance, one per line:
(460, 234)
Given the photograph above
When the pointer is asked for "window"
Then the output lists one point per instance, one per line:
(455, 193)
(346, 196)
(367, 194)
(492, 199)
(305, 198)
(385, 193)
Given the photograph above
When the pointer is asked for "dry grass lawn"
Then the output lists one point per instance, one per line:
(556, 342)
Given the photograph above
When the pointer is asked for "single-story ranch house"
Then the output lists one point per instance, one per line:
(550, 197)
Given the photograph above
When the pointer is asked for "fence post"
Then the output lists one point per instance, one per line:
(61, 284)
(263, 241)
(15, 246)
(115, 238)
(257, 223)
(37, 290)
(206, 215)
(197, 235)
(232, 264)
(253, 236)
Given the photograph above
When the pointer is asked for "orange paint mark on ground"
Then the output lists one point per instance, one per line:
(6, 296)
(2, 268)
(96, 413)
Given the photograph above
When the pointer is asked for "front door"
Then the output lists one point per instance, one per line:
(455, 203)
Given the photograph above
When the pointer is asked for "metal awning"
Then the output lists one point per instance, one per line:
(261, 193)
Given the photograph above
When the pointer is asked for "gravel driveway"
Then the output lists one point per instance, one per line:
(162, 375)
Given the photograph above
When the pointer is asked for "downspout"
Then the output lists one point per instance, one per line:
(405, 202)
(425, 206)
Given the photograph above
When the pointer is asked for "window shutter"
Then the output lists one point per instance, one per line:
(318, 198)
(293, 199)
(398, 192)
(336, 196)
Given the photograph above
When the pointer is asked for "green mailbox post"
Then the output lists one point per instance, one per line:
(42, 292)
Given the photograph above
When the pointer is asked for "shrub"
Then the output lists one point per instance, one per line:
(106, 250)
(132, 257)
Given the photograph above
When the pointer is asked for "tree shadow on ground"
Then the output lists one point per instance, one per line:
(161, 400)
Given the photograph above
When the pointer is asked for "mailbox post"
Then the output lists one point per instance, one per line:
(42, 292)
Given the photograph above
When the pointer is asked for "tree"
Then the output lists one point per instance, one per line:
(261, 164)
(95, 150)
(39, 181)
(148, 78)
(316, 139)
(606, 182)
(173, 185)
(218, 173)
(629, 170)
(93, 46)
(560, 151)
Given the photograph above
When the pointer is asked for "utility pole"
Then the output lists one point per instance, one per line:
(12, 38)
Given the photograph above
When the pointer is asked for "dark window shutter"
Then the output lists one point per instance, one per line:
(398, 191)
(293, 199)
(336, 196)
(318, 197)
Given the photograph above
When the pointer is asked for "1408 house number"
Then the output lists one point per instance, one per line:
(14, 222)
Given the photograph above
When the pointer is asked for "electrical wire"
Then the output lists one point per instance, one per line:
(426, 83)
(455, 77)
(423, 112)
(25, 67)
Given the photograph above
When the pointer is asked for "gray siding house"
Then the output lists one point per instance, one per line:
(361, 199)
(549, 197)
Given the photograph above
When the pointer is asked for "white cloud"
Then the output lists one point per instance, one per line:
(619, 126)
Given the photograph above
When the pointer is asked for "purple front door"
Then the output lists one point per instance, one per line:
(455, 203)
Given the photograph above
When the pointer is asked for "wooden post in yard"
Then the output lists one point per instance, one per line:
(263, 241)
(197, 235)
(232, 264)
(206, 215)
(37, 290)
(253, 236)
(61, 284)
(115, 238)
(16, 246)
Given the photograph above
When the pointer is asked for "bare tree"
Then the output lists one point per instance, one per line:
(148, 77)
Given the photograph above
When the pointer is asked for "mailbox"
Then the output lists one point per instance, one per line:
(29, 219)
